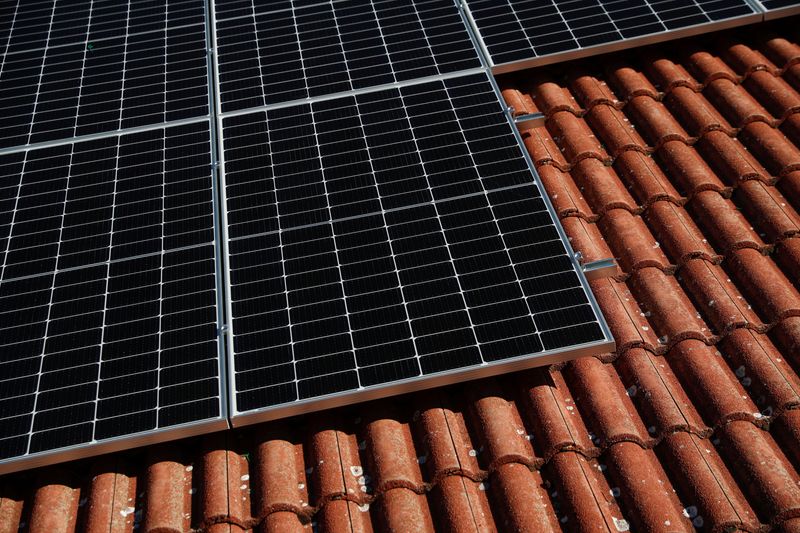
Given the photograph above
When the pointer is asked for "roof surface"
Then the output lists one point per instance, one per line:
(683, 163)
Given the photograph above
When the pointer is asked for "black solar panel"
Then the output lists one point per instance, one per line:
(408, 239)
(268, 57)
(107, 290)
(524, 30)
(779, 8)
(85, 86)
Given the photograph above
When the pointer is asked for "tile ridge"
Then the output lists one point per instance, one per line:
(306, 514)
(660, 96)
(689, 141)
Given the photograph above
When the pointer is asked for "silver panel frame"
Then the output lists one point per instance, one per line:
(114, 444)
(219, 215)
(623, 44)
(422, 382)
(227, 340)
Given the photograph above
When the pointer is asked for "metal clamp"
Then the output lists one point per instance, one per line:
(602, 268)
(531, 120)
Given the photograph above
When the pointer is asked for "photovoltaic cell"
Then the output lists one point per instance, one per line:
(85, 86)
(778, 4)
(107, 290)
(226, 9)
(779, 8)
(268, 57)
(524, 30)
(385, 237)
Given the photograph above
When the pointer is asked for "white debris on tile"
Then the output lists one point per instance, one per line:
(621, 524)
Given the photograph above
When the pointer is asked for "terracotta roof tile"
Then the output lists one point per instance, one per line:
(502, 435)
(399, 507)
(683, 163)
(283, 521)
(521, 102)
(111, 500)
(55, 502)
(659, 397)
(279, 475)
(709, 490)
(642, 486)
(678, 235)
(762, 470)
(521, 500)
(581, 493)
(168, 492)
(602, 400)
(11, 509)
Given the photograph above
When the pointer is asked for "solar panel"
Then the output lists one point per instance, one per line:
(284, 51)
(779, 8)
(136, 65)
(108, 292)
(521, 33)
(385, 238)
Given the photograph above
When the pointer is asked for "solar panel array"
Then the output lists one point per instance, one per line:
(519, 33)
(323, 199)
(387, 236)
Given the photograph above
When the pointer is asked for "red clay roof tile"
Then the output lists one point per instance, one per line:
(399, 507)
(656, 392)
(683, 163)
(168, 492)
(111, 500)
(11, 510)
(711, 494)
(522, 500)
(581, 493)
(501, 433)
(55, 503)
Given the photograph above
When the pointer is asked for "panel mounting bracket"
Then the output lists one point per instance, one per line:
(602, 268)
(530, 120)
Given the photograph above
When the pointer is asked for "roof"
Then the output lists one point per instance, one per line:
(681, 162)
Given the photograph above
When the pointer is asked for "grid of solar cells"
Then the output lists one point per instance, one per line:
(516, 30)
(408, 238)
(226, 9)
(790, 6)
(107, 289)
(27, 25)
(88, 87)
(279, 56)
(108, 199)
